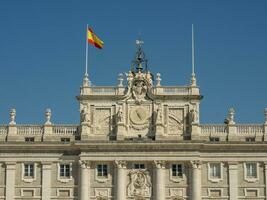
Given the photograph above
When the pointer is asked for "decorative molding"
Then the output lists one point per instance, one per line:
(70, 190)
(64, 180)
(139, 183)
(174, 178)
(121, 164)
(215, 180)
(30, 179)
(248, 179)
(196, 164)
(22, 191)
(160, 164)
(215, 189)
(84, 164)
(102, 179)
(251, 189)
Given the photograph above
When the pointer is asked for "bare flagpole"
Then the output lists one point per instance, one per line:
(86, 57)
(193, 76)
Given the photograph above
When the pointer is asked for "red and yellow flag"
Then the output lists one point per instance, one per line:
(93, 39)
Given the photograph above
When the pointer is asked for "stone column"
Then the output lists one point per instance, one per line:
(233, 180)
(121, 180)
(84, 182)
(46, 181)
(159, 183)
(265, 173)
(10, 180)
(196, 188)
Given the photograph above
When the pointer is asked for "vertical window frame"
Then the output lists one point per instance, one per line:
(251, 179)
(64, 179)
(177, 179)
(24, 177)
(211, 177)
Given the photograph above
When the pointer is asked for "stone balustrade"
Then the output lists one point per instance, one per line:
(157, 90)
(19, 132)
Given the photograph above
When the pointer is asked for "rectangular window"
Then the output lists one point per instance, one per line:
(102, 170)
(214, 139)
(28, 170)
(29, 139)
(139, 166)
(250, 139)
(65, 140)
(65, 170)
(177, 170)
(251, 170)
(215, 170)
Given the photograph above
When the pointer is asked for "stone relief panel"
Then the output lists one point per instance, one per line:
(139, 185)
(102, 193)
(102, 121)
(175, 121)
(177, 193)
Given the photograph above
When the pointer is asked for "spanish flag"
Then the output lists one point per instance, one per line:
(93, 39)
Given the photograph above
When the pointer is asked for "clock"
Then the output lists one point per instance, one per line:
(139, 115)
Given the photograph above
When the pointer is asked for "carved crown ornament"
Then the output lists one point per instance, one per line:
(139, 86)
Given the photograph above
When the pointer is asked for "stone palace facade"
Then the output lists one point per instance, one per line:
(138, 140)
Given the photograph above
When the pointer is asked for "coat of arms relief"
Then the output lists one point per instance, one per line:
(139, 185)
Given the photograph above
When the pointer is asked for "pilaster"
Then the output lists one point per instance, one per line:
(159, 183)
(10, 180)
(84, 182)
(121, 180)
(195, 131)
(233, 180)
(196, 190)
(46, 181)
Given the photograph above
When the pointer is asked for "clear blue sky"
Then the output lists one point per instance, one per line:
(42, 52)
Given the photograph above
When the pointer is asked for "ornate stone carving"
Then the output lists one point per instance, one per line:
(12, 115)
(102, 193)
(48, 115)
(140, 184)
(139, 90)
(84, 164)
(120, 115)
(196, 164)
(85, 116)
(231, 115)
(159, 114)
(121, 164)
(193, 116)
(102, 121)
(160, 164)
(175, 124)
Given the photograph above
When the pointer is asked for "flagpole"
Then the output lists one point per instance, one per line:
(86, 57)
(193, 51)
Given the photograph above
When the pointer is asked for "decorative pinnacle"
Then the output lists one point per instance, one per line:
(139, 57)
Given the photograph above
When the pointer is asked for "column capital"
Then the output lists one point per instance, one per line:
(10, 165)
(160, 164)
(120, 164)
(196, 164)
(84, 164)
(232, 165)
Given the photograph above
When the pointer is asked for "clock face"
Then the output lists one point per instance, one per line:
(139, 115)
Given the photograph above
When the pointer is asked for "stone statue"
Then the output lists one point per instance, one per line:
(85, 117)
(12, 115)
(48, 115)
(159, 114)
(193, 115)
(120, 115)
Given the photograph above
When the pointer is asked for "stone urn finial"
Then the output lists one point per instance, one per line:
(231, 115)
(158, 79)
(120, 80)
(265, 116)
(12, 115)
(48, 115)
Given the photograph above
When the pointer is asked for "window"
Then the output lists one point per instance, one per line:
(177, 170)
(65, 140)
(251, 170)
(139, 166)
(65, 170)
(29, 139)
(214, 139)
(28, 170)
(250, 139)
(215, 171)
(102, 170)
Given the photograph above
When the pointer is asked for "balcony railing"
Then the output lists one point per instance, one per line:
(3, 130)
(29, 130)
(214, 128)
(65, 130)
